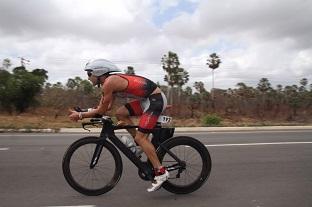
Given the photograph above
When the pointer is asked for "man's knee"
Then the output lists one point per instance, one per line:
(140, 136)
(121, 113)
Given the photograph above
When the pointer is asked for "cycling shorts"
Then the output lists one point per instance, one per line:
(149, 109)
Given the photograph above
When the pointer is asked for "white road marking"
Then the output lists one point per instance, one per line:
(73, 206)
(4, 148)
(38, 135)
(243, 132)
(256, 144)
(177, 132)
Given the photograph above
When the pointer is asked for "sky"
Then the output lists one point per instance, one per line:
(254, 38)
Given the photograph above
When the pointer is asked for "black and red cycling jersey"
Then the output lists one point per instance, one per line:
(150, 107)
(138, 86)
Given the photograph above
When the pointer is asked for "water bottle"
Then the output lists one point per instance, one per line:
(129, 142)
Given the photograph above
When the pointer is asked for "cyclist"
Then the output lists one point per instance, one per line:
(149, 106)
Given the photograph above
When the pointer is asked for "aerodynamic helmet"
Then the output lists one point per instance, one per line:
(100, 67)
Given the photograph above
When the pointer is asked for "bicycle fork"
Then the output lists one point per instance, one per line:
(96, 155)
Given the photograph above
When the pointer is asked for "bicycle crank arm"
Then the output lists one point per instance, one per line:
(175, 167)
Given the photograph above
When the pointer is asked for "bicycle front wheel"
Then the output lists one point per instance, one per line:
(95, 180)
(191, 170)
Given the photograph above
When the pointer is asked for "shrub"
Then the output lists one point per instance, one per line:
(212, 120)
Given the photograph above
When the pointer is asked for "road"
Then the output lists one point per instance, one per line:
(254, 169)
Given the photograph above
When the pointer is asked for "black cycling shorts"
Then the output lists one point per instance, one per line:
(149, 109)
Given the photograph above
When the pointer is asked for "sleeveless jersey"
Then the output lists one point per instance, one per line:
(138, 86)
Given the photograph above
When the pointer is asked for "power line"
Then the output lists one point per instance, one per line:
(225, 66)
(24, 61)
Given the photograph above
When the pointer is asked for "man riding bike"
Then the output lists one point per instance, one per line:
(149, 106)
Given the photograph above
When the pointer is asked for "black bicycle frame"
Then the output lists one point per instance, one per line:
(108, 133)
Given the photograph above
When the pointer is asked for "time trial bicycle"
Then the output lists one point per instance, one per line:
(93, 166)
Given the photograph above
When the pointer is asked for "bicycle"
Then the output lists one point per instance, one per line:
(93, 166)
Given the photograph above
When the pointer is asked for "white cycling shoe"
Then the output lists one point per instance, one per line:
(158, 181)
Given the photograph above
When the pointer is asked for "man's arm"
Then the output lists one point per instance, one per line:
(105, 103)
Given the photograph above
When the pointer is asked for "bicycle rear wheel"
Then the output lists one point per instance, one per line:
(195, 170)
(92, 181)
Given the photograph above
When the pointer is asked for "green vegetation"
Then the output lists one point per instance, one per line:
(212, 120)
(18, 90)
(25, 91)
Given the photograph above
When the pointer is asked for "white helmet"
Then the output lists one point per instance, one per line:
(100, 67)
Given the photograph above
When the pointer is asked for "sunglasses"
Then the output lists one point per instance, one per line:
(89, 73)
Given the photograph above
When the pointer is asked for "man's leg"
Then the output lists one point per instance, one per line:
(140, 138)
(122, 114)
(161, 174)
(148, 148)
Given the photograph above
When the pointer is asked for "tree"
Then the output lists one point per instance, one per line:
(244, 90)
(293, 100)
(21, 88)
(264, 88)
(86, 87)
(279, 88)
(170, 64)
(213, 63)
(40, 73)
(47, 86)
(202, 94)
(182, 78)
(73, 83)
(130, 70)
(188, 91)
(264, 85)
(6, 64)
(57, 85)
(303, 83)
(57, 98)
(195, 101)
(176, 76)
(5, 98)
(199, 86)
(305, 97)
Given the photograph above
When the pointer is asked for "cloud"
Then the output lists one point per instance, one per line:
(255, 20)
(261, 38)
(255, 39)
(109, 22)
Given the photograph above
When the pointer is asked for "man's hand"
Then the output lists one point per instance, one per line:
(73, 115)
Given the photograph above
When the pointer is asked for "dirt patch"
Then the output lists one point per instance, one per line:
(36, 121)
(26, 121)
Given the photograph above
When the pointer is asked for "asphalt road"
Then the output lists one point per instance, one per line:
(254, 169)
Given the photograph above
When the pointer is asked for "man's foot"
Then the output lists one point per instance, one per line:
(161, 175)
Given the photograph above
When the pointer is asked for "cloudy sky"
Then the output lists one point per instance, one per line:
(254, 38)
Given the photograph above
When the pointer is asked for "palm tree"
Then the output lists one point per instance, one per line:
(213, 63)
